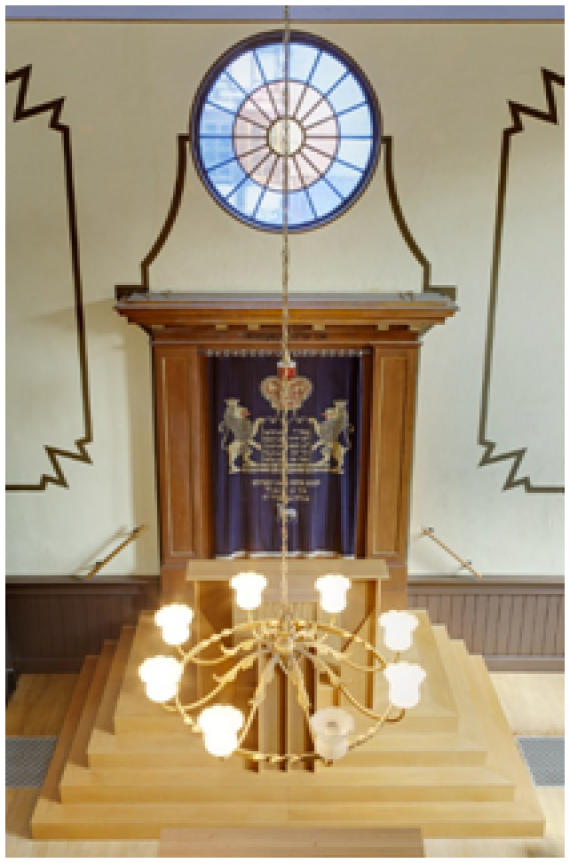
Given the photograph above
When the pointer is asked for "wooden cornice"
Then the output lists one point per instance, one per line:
(351, 318)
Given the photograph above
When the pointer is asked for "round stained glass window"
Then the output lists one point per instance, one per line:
(240, 130)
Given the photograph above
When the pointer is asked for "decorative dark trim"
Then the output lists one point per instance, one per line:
(182, 162)
(54, 454)
(447, 290)
(518, 111)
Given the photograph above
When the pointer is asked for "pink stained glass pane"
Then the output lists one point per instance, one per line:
(309, 172)
(328, 127)
(262, 99)
(243, 146)
(253, 115)
(324, 145)
(263, 173)
(278, 93)
(318, 162)
(278, 178)
(310, 98)
(244, 128)
(251, 163)
(323, 111)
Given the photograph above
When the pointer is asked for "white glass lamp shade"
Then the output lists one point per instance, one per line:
(333, 589)
(248, 587)
(398, 629)
(175, 621)
(331, 727)
(220, 725)
(404, 679)
(161, 676)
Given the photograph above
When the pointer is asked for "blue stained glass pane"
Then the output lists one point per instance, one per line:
(302, 61)
(300, 211)
(357, 122)
(271, 59)
(215, 122)
(324, 199)
(271, 208)
(343, 178)
(328, 71)
(226, 93)
(245, 72)
(226, 178)
(355, 152)
(348, 93)
(246, 197)
(214, 151)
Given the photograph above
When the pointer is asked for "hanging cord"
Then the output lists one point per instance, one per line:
(285, 359)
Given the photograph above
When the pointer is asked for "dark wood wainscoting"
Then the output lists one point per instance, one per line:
(516, 624)
(52, 624)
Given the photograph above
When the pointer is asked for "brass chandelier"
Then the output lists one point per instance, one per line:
(286, 641)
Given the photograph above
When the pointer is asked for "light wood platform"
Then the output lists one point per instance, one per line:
(132, 770)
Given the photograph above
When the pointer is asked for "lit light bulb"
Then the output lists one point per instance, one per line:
(220, 725)
(331, 727)
(174, 621)
(161, 676)
(398, 629)
(333, 592)
(248, 587)
(404, 679)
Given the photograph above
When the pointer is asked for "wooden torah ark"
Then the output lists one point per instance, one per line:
(184, 327)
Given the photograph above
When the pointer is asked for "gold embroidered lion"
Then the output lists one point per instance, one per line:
(238, 435)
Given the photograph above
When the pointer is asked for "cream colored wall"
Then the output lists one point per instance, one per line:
(443, 90)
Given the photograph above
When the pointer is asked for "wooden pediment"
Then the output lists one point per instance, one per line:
(352, 320)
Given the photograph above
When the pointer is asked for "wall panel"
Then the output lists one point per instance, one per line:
(52, 624)
(517, 625)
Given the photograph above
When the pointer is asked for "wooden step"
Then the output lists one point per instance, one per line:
(270, 842)
(185, 751)
(124, 821)
(50, 788)
(503, 752)
(81, 720)
(381, 785)
(77, 753)
(106, 702)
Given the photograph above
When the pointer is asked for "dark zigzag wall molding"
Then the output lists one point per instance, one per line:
(492, 454)
(55, 454)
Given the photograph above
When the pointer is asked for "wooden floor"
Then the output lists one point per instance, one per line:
(533, 704)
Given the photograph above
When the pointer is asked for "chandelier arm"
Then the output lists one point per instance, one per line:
(227, 678)
(190, 655)
(227, 654)
(326, 648)
(398, 716)
(355, 639)
(247, 724)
